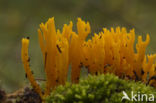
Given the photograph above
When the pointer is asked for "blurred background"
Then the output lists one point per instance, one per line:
(21, 18)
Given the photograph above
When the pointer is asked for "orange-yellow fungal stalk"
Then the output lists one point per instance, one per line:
(54, 47)
(25, 60)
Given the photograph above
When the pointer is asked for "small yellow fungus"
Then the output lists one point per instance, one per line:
(110, 51)
(25, 60)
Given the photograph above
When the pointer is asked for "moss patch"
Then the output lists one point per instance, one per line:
(106, 88)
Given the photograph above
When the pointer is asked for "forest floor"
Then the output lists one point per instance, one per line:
(23, 95)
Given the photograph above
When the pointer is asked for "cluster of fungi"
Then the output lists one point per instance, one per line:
(109, 51)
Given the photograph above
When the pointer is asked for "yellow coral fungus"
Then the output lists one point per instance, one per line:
(109, 51)
(75, 48)
(25, 60)
(54, 47)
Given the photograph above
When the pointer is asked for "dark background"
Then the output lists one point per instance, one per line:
(21, 18)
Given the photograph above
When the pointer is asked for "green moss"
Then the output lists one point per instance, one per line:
(106, 88)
